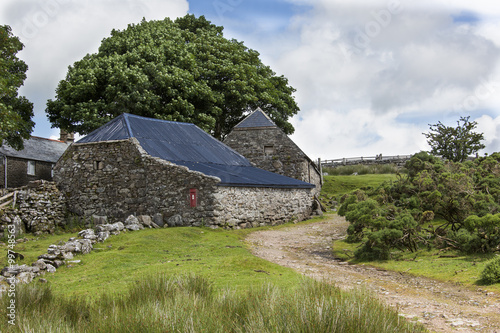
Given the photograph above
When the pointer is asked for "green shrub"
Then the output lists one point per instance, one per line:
(484, 233)
(491, 273)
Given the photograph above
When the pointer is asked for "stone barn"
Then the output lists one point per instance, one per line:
(265, 145)
(177, 174)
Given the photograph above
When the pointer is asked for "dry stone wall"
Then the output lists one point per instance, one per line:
(40, 208)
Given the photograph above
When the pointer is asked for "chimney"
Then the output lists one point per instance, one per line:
(66, 137)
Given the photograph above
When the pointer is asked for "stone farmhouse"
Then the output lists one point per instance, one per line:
(34, 162)
(265, 145)
(177, 174)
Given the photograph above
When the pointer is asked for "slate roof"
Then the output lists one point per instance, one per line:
(188, 145)
(256, 119)
(37, 149)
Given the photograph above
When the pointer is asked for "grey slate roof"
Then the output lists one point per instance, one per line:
(256, 119)
(37, 149)
(188, 145)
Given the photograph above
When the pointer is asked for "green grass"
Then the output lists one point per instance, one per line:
(334, 187)
(217, 255)
(362, 169)
(162, 303)
(186, 280)
(449, 266)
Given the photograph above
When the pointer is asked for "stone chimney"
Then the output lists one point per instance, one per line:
(66, 137)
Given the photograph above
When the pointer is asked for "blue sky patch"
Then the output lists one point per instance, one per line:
(466, 17)
(244, 16)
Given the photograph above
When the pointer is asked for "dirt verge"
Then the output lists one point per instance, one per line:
(441, 307)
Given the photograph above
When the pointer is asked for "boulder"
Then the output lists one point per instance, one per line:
(25, 277)
(118, 226)
(102, 236)
(145, 220)
(85, 246)
(50, 268)
(18, 226)
(134, 227)
(58, 263)
(131, 220)
(88, 234)
(47, 256)
(175, 221)
(40, 264)
(158, 219)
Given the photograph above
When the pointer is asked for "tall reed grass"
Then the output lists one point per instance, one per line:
(190, 304)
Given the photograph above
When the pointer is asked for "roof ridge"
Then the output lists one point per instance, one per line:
(254, 120)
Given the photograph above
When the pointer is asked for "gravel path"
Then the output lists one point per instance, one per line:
(441, 307)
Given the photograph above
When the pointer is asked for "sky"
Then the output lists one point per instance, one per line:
(370, 75)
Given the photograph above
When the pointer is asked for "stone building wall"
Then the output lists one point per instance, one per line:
(272, 150)
(40, 208)
(17, 172)
(243, 207)
(118, 178)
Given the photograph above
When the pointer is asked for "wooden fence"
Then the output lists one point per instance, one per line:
(8, 199)
(377, 159)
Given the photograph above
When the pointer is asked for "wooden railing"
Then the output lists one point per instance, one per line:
(8, 199)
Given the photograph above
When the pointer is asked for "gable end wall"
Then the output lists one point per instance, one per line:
(129, 181)
(287, 159)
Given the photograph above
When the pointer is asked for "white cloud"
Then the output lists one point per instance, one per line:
(363, 71)
(490, 127)
(56, 33)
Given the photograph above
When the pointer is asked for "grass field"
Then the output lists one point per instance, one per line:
(450, 266)
(218, 255)
(186, 280)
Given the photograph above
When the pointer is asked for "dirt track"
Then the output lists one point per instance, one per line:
(441, 307)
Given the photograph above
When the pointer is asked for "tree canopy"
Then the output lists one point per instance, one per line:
(15, 111)
(455, 143)
(183, 70)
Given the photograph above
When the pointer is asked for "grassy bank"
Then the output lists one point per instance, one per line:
(161, 303)
(217, 255)
(450, 266)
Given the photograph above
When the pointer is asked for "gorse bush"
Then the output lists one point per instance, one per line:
(397, 215)
(190, 304)
(491, 273)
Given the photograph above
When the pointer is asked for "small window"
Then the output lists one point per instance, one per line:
(268, 150)
(98, 165)
(31, 168)
(52, 171)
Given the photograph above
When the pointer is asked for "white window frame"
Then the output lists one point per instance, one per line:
(31, 168)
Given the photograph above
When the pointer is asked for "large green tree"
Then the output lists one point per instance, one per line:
(183, 70)
(455, 143)
(15, 111)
